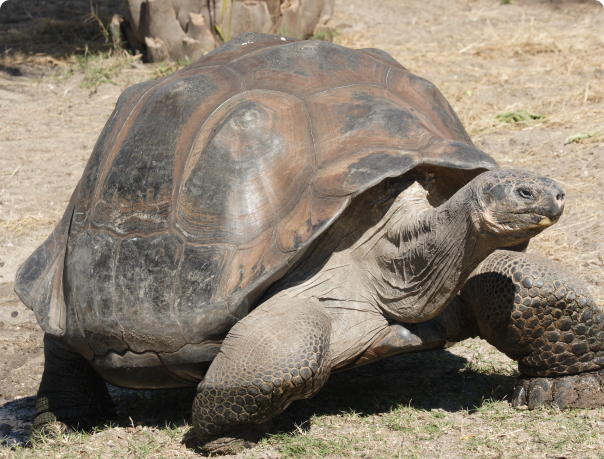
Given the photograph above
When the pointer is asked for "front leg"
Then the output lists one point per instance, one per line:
(270, 358)
(538, 313)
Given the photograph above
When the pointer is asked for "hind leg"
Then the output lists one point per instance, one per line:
(71, 392)
(538, 313)
(270, 358)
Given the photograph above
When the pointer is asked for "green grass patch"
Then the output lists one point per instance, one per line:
(326, 34)
(164, 69)
(102, 67)
(576, 138)
(519, 116)
(418, 423)
(307, 445)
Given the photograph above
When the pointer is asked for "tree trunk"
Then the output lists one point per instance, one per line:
(188, 29)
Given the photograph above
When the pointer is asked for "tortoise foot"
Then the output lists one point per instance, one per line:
(585, 390)
(50, 430)
(237, 440)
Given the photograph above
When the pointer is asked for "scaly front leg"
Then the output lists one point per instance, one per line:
(538, 313)
(270, 358)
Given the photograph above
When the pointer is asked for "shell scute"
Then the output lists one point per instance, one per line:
(352, 119)
(90, 276)
(248, 269)
(197, 288)
(136, 195)
(248, 169)
(457, 155)
(381, 56)
(84, 193)
(145, 271)
(304, 68)
(362, 168)
(295, 229)
(427, 100)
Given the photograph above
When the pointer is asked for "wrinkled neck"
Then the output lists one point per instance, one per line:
(408, 266)
(423, 257)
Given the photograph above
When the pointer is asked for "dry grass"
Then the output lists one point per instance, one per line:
(19, 58)
(28, 223)
(354, 40)
(118, 442)
(563, 65)
(541, 58)
(116, 67)
(102, 67)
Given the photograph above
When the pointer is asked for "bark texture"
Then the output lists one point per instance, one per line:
(189, 29)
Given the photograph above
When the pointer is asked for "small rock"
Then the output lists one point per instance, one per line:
(14, 314)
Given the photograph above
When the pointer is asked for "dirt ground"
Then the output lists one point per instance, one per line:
(487, 57)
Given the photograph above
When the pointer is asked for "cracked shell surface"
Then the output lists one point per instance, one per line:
(206, 184)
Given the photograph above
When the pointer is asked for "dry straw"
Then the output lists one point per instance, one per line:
(28, 223)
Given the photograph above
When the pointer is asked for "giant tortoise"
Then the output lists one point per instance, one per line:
(281, 209)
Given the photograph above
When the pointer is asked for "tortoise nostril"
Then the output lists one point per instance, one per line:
(560, 197)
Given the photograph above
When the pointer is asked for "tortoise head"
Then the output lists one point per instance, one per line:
(515, 204)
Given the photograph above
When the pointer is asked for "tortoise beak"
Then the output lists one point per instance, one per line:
(551, 206)
(546, 221)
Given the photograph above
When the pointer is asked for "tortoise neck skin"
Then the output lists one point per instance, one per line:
(416, 263)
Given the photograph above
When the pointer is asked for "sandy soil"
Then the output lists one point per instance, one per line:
(485, 57)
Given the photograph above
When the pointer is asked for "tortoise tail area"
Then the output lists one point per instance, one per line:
(39, 281)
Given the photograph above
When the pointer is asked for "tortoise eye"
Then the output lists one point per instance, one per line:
(524, 193)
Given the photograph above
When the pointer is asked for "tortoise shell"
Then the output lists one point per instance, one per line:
(205, 186)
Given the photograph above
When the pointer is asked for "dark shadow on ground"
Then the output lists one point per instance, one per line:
(428, 380)
(15, 421)
(54, 27)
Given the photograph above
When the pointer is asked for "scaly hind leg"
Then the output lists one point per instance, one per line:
(270, 358)
(71, 392)
(538, 313)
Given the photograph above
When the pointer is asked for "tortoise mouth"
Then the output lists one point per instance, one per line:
(543, 221)
(530, 220)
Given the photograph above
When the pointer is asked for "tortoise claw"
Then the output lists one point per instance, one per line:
(51, 430)
(236, 440)
(585, 390)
